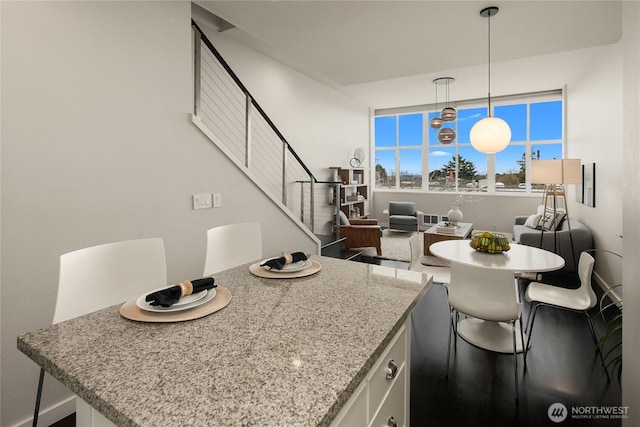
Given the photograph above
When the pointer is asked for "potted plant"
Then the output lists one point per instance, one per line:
(612, 337)
(455, 214)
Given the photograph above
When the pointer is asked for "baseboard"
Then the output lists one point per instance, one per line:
(52, 414)
(613, 295)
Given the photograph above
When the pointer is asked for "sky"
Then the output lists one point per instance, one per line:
(545, 120)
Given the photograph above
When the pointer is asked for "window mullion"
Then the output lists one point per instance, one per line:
(397, 152)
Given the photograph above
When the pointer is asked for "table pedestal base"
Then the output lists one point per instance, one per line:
(492, 336)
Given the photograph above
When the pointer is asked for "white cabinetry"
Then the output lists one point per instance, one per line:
(382, 399)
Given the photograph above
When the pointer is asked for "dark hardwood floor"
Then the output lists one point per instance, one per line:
(562, 367)
(69, 421)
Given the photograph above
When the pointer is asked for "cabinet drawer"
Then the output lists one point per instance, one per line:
(354, 413)
(394, 405)
(379, 384)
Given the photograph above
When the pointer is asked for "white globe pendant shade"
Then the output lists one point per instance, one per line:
(490, 135)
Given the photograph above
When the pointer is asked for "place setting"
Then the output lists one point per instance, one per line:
(286, 266)
(187, 300)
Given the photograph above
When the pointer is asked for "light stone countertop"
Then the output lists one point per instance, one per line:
(284, 352)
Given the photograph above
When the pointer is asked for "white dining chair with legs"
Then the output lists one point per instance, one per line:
(100, 276)
(492, 303)
(441, 275)
(232, 245)
(579, 300)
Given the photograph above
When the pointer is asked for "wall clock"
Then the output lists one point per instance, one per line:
(358, 158)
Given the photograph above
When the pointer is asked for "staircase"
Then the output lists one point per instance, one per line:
(332, 246)
(227, 113)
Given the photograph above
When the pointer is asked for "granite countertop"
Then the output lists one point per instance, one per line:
(284, 352)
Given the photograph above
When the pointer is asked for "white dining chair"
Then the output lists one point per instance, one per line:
(441, 275)
(232, 245)
(496, 299)
(100, 276)
(579, 300)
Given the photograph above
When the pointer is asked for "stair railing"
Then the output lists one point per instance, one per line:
(229, 115)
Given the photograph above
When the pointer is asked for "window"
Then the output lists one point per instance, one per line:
(398, 156)
(407, 149)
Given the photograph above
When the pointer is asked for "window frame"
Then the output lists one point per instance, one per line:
(426, 147)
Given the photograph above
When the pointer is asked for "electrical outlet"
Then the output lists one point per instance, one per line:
(217, 200)
(202, 201)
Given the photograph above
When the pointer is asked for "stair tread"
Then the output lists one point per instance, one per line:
(329, 240)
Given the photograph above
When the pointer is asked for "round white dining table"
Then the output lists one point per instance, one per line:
(490, 335)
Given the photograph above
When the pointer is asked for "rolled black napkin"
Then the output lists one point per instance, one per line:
(286, 258)
(168, 297)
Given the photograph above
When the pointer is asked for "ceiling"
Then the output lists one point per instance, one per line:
(352, 42)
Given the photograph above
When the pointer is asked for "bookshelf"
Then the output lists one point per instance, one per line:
(352, 193)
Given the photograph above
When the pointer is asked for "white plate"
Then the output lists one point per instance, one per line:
(289, 268)
(191, 298)
(195, 301)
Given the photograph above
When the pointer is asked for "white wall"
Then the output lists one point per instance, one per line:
(631, 210)
(534, 74)
(97, 146)
(595, 92)
(492, 212)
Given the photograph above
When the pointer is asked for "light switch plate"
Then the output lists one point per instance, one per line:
(202, 201)
(217, 200)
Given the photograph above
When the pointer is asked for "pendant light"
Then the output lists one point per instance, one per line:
(491, 134)
(448, 114)
(446, 134)
(436, 122)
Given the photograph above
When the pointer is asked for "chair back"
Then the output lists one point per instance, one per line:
(440, 274)
(585, 269)
(231, 245)
(402, 208)
(101, 276)
(415, 244)
(495, 298)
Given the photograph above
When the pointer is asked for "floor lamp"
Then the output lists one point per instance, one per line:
(555, 175)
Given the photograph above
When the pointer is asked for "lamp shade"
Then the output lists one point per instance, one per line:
(557, 171)
(435, 123)
(490, 135)
(448, 114)
(446, 135)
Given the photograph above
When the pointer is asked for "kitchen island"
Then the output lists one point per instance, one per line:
(284, 352)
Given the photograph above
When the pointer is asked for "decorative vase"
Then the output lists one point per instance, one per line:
(454, 215)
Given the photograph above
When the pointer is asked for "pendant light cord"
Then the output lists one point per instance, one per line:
(447, 93)
(436, 84)
(489, 66)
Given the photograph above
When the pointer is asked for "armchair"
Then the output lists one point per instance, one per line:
(360, 233)
(403, 216)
